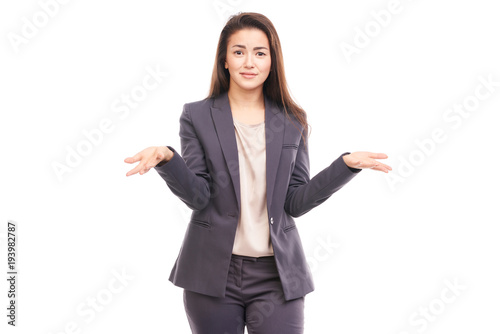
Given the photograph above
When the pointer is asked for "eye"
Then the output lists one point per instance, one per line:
(239, 53)
(261, 54)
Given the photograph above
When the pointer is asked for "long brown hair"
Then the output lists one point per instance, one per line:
(275, 86)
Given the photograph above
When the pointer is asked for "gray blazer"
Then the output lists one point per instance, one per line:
(205, 176)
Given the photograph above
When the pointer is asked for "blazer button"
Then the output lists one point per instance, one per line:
(271, 220)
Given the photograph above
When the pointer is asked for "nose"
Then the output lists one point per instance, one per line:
(249, 61)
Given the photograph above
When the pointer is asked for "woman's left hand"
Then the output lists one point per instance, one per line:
(363, 160)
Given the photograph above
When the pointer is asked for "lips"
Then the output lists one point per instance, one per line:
(248, 75)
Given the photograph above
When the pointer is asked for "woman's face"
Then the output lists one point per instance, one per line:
(248, 59)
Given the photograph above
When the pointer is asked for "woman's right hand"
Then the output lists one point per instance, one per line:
(149, 158)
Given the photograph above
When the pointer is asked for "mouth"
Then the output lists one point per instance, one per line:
(248, 75)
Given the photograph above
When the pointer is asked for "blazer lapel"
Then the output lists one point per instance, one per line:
(224, 126)
(275, 132)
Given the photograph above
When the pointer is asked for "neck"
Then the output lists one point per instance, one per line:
(246, 100)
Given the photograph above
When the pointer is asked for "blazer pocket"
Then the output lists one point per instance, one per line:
(289, 228)
(291, 146)
(200, 223)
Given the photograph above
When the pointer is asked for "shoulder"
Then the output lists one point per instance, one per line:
(197, 110)
(197, 106)
(285, 114)
(293, 121)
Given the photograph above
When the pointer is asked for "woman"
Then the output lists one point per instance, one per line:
(244, 171)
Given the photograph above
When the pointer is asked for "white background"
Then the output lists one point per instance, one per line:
(397, 246)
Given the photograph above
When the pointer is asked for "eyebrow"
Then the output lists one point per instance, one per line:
(244, 47)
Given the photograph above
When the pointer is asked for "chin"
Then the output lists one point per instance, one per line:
(251, 87)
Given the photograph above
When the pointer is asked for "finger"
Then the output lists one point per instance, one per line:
(132, 171)
(129, 173)
(378, 155)
(136, 170)
(380, 168)
(386, 166)
(370, 163)
(133, 159)
(378, 163)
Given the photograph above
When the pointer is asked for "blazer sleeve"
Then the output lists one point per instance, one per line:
(303, 193)
(187, 175)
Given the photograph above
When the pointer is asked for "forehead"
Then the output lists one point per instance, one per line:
(249, 37)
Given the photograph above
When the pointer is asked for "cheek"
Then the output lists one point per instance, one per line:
(267, 66)
(233, 62)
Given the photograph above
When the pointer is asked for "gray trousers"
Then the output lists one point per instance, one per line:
(254, 298)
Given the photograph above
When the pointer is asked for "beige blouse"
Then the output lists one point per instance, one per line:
(252, 233)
